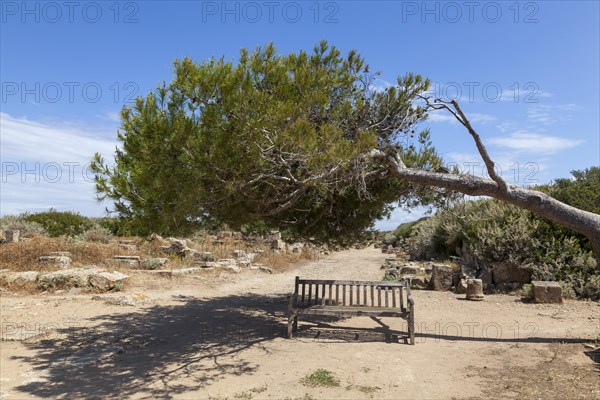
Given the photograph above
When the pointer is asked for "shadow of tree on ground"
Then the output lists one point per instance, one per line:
(158, 351)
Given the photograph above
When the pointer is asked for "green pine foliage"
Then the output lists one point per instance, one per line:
(208, 147)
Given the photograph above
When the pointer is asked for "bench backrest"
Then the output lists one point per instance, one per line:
(310, 292)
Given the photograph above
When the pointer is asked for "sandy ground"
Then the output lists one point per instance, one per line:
(221, 336)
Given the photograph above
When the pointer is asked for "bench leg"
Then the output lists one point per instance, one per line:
(295, 326)
(411, 327)
(290, 325)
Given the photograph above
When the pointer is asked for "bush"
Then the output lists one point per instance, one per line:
(18, 222)
(494, 231)
(405, 230)
(527, 291)
(59, 223)
(591, 289)
(97, 234)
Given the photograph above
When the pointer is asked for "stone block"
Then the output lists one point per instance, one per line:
(61, 261)
(105, 281)
(131, 260)
(408, 271)
(238, 254)
(474, 289)
(461, 287)
(441, 278)
(505, 272)
(12, 236)
(154, 263)
(547, 292)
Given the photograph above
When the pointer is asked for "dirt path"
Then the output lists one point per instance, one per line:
(220, 337)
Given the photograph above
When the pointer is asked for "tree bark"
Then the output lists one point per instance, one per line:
(584, 222)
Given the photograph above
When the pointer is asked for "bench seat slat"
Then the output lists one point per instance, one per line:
(338, 282)
(354, 311)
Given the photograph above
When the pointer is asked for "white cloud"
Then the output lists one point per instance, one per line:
(534, 143)
(550, 114)
(23, 139)
(45, 165)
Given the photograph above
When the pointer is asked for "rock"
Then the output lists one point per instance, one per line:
(206, 264)
(12, 278)
(106, 281)
(238, 254)
(441, 278)
(201, 256)
(61, 253)
(233, 268)
(485, 274)
(408, 271)
(224, 235)
(166, 249)
(546, 292)
(62, 261)
(265, 270)
(75, 277)
(131, 260)
(188, 253)
(278, 245)
(179, 244)
(185, 271)
(474, 289)
(155, 237)
(128, 247)
(244, 263)
(461, 287)
(505, 272)
(128, 300)
(154, 263)
(161, 272)
(275, 235)
(12, 236)
(391, 275)
(296, 247)
(418, 283)
(226, 261)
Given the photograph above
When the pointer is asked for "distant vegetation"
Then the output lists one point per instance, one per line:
(493, 231)
(55, 223)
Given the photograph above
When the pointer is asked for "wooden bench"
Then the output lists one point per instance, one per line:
(351, 298)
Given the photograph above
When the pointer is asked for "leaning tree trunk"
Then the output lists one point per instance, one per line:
(584, 222)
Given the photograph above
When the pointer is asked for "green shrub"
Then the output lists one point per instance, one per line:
(567, 290)
(527, 291)
(404, 230)
(495, 231)
(97, 234)
(18, 222)
(591, 289)
(59, 223)
(389, 239)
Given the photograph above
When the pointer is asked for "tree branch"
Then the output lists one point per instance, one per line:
(464, 121)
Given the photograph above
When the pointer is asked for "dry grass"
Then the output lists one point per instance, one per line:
(23, 256)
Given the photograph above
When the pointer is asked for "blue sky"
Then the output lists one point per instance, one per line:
(527, 74)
